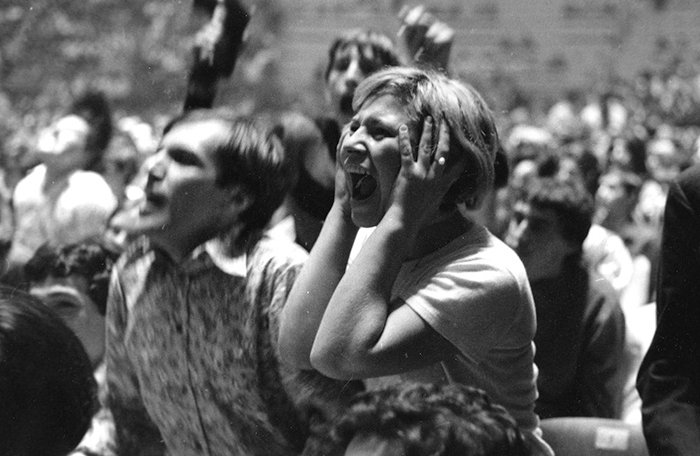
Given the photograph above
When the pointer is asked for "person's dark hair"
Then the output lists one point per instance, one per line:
(588, 168)
(630, 181)
(90, 259)
(571, 203)
(47, 388)
(447, 420)
(473, 132)
(94, 108)
(501, 168)
(252, 157)
(376, 50)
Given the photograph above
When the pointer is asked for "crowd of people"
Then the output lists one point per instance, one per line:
(403, 273)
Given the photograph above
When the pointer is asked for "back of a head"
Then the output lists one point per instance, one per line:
(570, 201)
(434, 420)
(47, 388)
(473, 132)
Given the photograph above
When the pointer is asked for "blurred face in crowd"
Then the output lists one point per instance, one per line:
(69, 298)
(183, 206)
(374, 445)
(619, 155)
(536, 235)
(612, 197)
(121, 161)
(63, 144)
(663, 161)
(350, 66)
(370, 157)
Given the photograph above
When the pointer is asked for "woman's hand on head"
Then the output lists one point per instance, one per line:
(342, 192)
(425, 178)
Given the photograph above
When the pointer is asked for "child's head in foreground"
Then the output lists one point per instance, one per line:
(47, 388)
(427, 420)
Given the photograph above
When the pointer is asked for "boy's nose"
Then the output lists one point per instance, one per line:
(156, 166)
(353, 75)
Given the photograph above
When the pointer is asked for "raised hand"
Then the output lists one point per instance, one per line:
(425, 176)
(425, 39)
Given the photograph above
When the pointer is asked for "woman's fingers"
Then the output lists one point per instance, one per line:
(443, 145)
(405, 146)
(425, 148)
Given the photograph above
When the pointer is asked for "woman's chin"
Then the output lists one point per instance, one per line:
(366, 215)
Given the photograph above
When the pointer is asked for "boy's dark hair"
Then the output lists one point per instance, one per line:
(47, 388)
(89, 259)
(94, 108)
(376, 50)
(571, 202)
(432, 419)
(252, 157)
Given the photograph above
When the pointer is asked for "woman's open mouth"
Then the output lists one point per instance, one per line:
(363, 185)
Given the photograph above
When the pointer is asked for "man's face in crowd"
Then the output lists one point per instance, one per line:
(69, 298)
(612, 196)
(536, 235)
(662, 160)
(183, 204)
(351, 65)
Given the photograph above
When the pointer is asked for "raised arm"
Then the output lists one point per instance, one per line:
(363, 333)
(317, 281)
(424, 39)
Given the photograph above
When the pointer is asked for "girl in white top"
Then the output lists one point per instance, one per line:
(431, 295)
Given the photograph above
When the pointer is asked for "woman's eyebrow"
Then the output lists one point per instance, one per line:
(375, 122)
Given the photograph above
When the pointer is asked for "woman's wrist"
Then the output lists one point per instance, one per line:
(341, 211)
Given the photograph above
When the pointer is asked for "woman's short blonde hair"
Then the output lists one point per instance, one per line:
(473, 133)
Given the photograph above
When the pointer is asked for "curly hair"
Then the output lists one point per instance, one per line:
(433, 420)
(90, 259)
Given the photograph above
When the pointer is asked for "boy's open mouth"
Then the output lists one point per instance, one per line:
(152, 202)
(363, 185)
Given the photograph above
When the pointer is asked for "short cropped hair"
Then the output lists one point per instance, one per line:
(47, 388)
(252, 157)
(376, 50)
(429, 419)
(90, 259)
(473, 133)
(570, 201)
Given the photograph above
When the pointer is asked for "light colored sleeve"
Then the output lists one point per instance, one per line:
(84, 209)
(472, 304)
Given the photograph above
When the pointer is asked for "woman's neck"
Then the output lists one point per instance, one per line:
(447, 227)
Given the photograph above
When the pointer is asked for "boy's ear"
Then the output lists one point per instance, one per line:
(239, 199)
